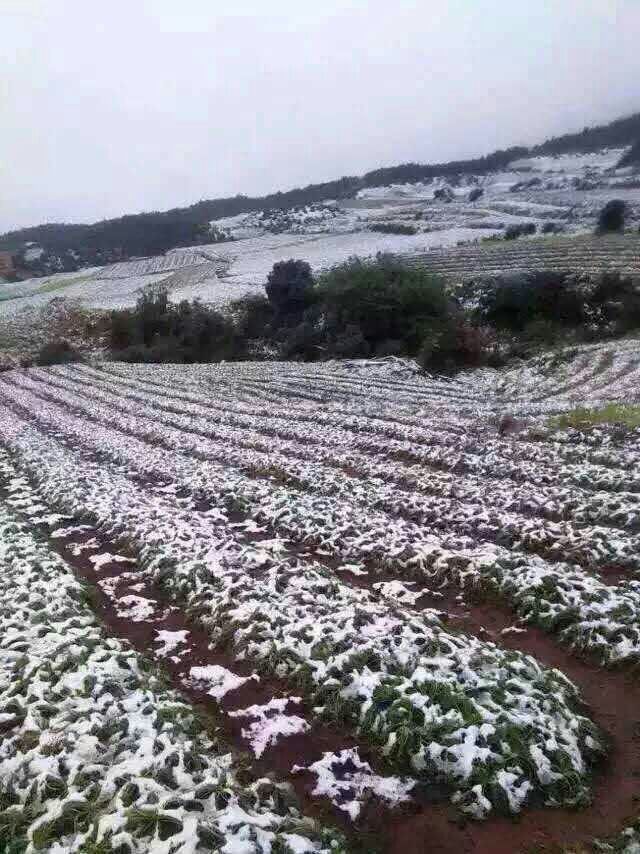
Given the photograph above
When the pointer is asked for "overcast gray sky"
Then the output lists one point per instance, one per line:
(129, 105)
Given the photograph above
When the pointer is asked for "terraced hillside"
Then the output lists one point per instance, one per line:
(326, 596)
(585, 253)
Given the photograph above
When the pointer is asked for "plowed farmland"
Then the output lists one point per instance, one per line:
(585, 254)
(291, 607)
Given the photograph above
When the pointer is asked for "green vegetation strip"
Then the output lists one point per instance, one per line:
(582, 417)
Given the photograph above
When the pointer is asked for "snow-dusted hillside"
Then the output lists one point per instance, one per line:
(574, 165)
(476, 201)
(452, 215)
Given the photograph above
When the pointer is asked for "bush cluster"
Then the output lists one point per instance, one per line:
(57, 352)
(386, 304)
(393, 228)
(156, 330)
(444, 194)
(612, 216)
(527, 310)
(289, 286)
(523, 229)
(552, 228)
(381, 307)
(362, 308)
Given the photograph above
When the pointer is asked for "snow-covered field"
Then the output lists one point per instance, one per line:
(573, 165)
(304, 547)
(250, 261)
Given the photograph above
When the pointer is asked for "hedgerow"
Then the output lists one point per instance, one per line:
(381, 307)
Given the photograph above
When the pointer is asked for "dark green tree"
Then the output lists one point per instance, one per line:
(289, 286)
(612, 216)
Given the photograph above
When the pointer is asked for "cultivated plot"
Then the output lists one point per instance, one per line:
(391, 614)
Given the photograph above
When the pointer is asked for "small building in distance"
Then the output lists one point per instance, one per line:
(7, 267)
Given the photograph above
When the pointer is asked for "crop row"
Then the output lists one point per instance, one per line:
(311, 469)
(363, 442)
(364, 417)
(492, 723)
(94, 751)
(589, 613)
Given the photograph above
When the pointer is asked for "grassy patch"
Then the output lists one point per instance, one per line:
(614, 413)
(51, 285)
(48, 286)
